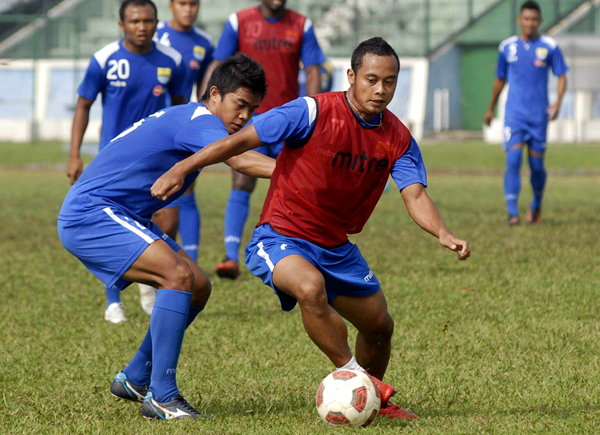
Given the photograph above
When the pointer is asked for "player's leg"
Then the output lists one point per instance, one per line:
(167, 220)
(189, 223)
(182, 285)
(537, 149)
(236, 214)
(512, 182)
(375, 326)
(298, 278)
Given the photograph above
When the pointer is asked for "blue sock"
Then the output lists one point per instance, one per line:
(139, 370)
(538, 180)
(512, 180)
(189, 225)
(167, 326)
(112, 295)
(236, 214)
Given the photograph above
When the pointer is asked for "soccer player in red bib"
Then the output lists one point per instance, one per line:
(278, 39)
(340, 149)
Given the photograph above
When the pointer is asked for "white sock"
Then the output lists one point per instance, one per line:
(351, 365)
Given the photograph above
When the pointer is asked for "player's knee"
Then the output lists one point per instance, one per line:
(311, 293)
(381, 328)
(513, 159)
(180, 277)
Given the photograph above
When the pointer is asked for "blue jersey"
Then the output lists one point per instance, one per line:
(326, 79)
(196, 48)
(525, 64)
(123, 173)
(132, 85)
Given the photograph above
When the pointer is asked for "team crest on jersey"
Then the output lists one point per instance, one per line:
(163, 75)
(541, 53)
(158, 90)
(199, 52)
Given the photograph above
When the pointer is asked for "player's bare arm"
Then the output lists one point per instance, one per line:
(313, 80)
(220, 151)
(80, 123)
(423, 211)
(498, 86)
(555, 108)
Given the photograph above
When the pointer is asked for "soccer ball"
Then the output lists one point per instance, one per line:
(348, 398)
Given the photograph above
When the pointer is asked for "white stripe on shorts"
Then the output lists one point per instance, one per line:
(130, 227)
(263, 254)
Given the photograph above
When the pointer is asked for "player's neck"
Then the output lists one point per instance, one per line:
(138, 49)
(532, 37)
(355, 107)
(267, 13)
(178, 27)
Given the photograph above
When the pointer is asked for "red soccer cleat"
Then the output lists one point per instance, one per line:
(386, 391)
(395, 411)
(228, 268)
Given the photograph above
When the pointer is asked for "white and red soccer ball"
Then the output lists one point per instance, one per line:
(348, 398)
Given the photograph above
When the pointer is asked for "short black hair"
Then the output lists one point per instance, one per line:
(237, 71)
(126, 3)
(377, 46)
(530, 4)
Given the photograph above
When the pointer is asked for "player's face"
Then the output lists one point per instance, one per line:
(185, 12)
(139, 24)
(274, 5)
(236, 108)
(530, 21)
(374, 84)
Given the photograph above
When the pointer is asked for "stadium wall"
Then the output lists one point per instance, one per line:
(444, 73)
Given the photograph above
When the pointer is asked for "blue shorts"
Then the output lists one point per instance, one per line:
(533, 134)
(107, 240)
(271, 150)
(345, 270)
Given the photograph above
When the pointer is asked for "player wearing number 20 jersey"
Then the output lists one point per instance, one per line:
(132, 85)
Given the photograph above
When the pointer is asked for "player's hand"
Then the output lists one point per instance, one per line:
(553, 111)
(74, 169)
(168, 184)
(487, 119)
(461, 247)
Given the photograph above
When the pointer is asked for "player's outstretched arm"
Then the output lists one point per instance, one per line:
(498, 86)
(80, 123)
(219, 151)
(252, 164)
(422, 209)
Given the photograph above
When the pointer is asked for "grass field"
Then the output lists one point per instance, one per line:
(507, 342)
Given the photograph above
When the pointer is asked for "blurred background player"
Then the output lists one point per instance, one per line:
(105, 221)
(300, 246)
(524, 61)
(133, 75)
(196, 48)
(279, 39)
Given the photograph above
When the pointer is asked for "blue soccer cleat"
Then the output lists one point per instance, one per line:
(121, 388)
(176, 409)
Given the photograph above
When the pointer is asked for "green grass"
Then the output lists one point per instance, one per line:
(504, 343)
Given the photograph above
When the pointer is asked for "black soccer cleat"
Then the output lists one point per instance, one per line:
(513, 220)
(534, 216)
(176, 409)
(122, 389)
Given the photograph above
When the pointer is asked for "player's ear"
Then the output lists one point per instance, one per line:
(122, 26)
(215, 94)
(351, 76)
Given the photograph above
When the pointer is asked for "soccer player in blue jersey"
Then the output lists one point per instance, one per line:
(133, 75)
(196, 48)
(524, 62)
(279, 39)
(105, 221)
